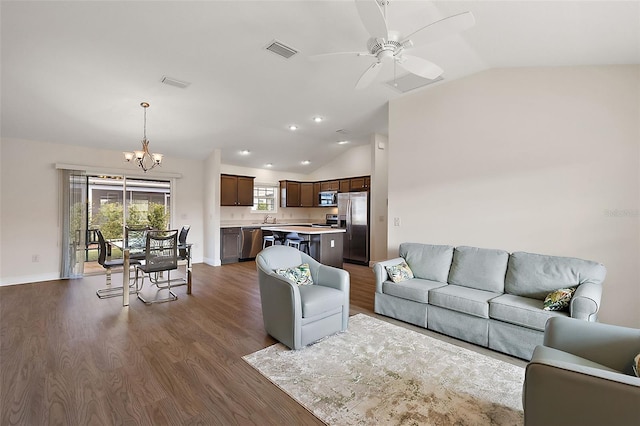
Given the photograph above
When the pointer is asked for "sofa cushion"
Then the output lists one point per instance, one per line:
(415, 289)
(558, 300)
(467, 300)
(522, 311)
(536, 275)
(482, 269)
(399, 273)
(318, 299)
(429, 262)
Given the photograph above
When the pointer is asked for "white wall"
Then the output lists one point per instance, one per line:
(544, 160)
(211, 199)
(30, 209)
(353, 162)
(379, 195)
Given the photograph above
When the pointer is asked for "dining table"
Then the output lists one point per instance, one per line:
(126, 255)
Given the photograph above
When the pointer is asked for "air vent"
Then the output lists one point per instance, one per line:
(410, 82)
(174, 82)
(281, 49)
(342, 131)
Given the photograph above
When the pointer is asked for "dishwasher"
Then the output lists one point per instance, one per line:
(251, 243)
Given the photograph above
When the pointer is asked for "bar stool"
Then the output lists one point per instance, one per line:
(271, 239)
(294, 240)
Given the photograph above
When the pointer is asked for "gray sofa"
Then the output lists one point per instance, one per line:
(485, 296)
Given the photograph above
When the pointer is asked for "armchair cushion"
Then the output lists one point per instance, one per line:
(299, 275)
(318, 299)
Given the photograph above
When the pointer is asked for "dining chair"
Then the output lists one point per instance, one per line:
(161, 255)
(108, 264)
(134, 240)
(182, 242)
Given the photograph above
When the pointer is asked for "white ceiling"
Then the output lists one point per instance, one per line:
(76, 72)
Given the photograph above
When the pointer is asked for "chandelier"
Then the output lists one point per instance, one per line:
(143, 158)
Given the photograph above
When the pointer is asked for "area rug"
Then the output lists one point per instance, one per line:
(377, 373)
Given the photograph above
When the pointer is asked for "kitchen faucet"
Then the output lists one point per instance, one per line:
(267, 217)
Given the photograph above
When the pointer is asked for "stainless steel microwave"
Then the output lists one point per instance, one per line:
(328, 198)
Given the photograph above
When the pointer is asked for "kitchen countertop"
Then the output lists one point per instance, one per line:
(262, 225)
(303, 229)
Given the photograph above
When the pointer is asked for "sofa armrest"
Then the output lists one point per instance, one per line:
(559, 393)
(610, 345)
(585, 302)
(381, 272)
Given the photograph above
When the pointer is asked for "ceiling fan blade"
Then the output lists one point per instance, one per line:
(334, 55)
(420, 67)
(372, 18)
(369, 75)
(441, 29)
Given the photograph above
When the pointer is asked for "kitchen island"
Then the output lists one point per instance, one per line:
(325, 244)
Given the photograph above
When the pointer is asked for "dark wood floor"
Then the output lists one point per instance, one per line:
(68, 358)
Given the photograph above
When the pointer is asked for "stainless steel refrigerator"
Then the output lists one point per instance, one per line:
(353, 214)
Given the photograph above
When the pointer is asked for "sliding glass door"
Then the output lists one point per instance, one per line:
(117, 201)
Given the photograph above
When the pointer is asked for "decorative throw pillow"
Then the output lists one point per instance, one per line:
(400, 272)
(559, 299)
(300, 275)
(636, 365)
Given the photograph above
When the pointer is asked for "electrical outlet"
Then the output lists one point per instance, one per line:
(333, 243)
(35, 258)
(396, 221)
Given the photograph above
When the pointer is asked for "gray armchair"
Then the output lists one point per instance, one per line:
(583, 375)
(299, 315)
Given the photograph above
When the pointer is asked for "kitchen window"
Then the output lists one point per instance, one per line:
(264, 198)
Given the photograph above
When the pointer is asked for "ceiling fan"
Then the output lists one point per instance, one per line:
(388, 46)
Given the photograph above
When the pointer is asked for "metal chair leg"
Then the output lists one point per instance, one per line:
(171, 297)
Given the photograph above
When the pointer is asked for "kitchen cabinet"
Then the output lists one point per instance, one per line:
(330, 185)
(289, 193)
(360, 183)
(306, 194)
(316, 192)
(230, 245)
(236, 190)
(344, 185)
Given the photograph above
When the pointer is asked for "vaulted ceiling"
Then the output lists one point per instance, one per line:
(75, 72)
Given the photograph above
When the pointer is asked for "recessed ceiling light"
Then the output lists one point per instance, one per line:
(245, 152)
(318, 119)
(305, 162)
(343, 142)
(293, 127)
(269, 165)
